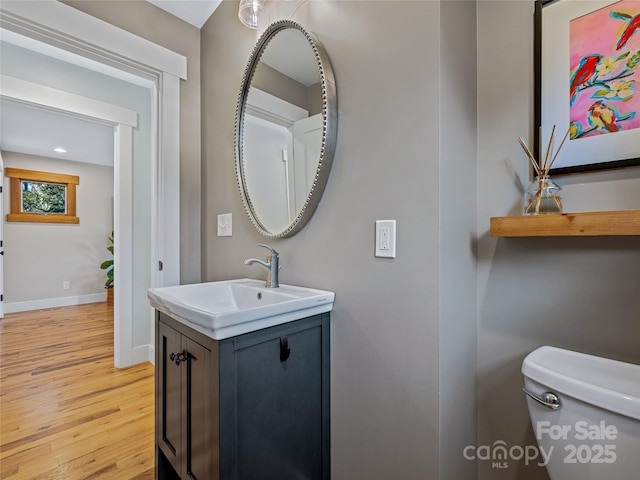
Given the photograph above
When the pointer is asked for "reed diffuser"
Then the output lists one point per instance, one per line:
(543, 196)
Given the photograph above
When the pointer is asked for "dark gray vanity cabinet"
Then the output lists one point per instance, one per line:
(255, 406)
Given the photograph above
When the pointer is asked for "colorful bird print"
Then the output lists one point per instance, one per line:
(632, 26)
(583, 73)
(604, 117)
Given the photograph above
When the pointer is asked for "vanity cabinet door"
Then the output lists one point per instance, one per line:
(198, 412)
(280, 402)
(185, 415)
(169, 395)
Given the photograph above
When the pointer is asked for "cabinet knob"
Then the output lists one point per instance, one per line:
(285, 351)
(178, 357)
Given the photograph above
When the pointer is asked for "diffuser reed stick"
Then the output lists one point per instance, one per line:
(542, 168)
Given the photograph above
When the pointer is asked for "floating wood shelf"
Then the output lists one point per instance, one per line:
(619, 222)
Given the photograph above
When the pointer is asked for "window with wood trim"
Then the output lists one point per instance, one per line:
(41, 196)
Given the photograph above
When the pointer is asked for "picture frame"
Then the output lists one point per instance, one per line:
(598, 140)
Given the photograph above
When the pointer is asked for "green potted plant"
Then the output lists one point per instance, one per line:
(107, 265)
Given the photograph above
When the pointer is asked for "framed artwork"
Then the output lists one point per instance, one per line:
(587, 76)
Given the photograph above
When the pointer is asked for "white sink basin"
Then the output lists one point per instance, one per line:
(229, 308)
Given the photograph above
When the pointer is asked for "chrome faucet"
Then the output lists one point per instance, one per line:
(271, 265)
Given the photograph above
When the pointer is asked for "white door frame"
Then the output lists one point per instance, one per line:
(1, 237)
(100, 43)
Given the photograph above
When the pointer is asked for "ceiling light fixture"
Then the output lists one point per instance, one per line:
(251, 13)
(59, 150)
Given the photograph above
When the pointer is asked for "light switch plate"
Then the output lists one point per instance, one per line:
(386, 238)
(225, 224)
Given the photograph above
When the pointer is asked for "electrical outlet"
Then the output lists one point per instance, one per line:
(66, 285)
(386, 238)
(225, 224)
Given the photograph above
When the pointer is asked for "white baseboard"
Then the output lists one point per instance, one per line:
(152, 355)
(143, 353)
(15, 307)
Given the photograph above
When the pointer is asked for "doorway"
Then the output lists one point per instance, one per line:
(98, 45)
(1, 240)
(122, 121)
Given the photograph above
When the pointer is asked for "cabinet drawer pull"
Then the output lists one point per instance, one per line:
(285, 351)
(178, 357)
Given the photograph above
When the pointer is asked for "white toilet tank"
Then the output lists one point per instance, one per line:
(585, 413)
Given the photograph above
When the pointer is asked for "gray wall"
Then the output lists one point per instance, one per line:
(458, 197)
(154, 24)
(272, 81)
(575, 293)
(392, 70)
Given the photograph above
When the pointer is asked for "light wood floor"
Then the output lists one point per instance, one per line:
(65, 411)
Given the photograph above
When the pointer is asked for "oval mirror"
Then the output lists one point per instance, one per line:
(285, 129)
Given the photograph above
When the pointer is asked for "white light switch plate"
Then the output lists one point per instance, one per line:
(386, 238)
(225, 224)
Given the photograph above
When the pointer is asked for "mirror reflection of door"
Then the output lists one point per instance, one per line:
(307, 144)
(267, 179)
